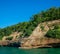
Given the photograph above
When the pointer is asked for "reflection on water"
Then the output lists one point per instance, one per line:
(7, 50)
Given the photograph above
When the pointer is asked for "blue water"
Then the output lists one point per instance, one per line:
(10, 50)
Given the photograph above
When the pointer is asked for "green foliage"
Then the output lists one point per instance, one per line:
(54, 33)
(1, 37)
(9, 38)
(27, 27)
(51, 33)
(42, 27)
(57, 27)
(57, 33)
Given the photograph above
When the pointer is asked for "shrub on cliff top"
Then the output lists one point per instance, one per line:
(54, 33)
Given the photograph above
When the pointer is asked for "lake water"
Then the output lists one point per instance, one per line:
(10, 50)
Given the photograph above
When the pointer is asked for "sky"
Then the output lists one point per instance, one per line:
(15, 11)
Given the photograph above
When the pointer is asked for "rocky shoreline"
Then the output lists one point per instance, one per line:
(42, 43)
(45, 43)
(8, 43)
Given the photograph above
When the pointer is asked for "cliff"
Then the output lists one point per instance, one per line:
(42, 30)
(37, 38)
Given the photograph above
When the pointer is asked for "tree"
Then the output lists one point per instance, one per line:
(54, 33)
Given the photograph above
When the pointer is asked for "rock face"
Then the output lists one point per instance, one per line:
(5, 43)
(11, 43)
(15, 35)
(38, 39)
(39, 32)
(40, 43)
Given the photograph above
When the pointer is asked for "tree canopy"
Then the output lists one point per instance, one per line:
(27, 27)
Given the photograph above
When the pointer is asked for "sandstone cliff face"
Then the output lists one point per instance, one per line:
(14, 42)
(15, 35)
(37, 38)
(4, 43)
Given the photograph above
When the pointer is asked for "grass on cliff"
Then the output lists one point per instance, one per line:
(9, 38)
(54, 33)
(1, 37)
